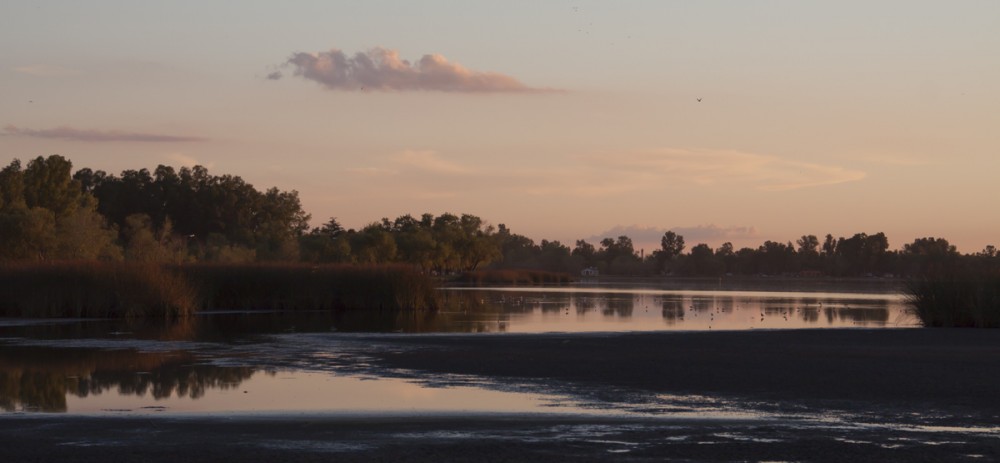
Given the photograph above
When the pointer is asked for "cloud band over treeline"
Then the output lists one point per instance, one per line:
(70, 133)
(381, 69)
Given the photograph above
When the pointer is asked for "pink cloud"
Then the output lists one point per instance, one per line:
(70, 133)
(381, 69)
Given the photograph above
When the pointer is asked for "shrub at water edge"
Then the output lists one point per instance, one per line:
(957, 300)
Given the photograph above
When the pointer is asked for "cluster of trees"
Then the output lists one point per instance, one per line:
(859, 255)
(47, 212)
(445, 243)
(171, 215)
(184, 215)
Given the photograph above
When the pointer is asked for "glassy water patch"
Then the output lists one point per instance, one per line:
(529, 310)
(196, 364)
(35, 379)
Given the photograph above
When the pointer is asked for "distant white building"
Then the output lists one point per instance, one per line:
(589, 272)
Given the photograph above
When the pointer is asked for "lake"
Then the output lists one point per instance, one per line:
(225, 362)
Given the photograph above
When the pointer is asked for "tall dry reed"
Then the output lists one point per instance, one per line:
(310, 287)
(93, 290)
(128, 290)
(957, 300)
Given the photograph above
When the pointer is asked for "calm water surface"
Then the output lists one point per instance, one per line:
(520, 310)
(306, 362)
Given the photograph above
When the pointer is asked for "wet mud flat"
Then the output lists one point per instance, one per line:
(471, 438)
(932, 372)
(797, 395)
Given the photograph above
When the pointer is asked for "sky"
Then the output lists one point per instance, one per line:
(563, 120)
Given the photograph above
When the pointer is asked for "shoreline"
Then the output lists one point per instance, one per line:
(945, 367)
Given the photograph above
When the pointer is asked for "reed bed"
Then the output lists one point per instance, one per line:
(93, 290)
(513, 277)
(130, 290)
(310, 287)
(957, 300)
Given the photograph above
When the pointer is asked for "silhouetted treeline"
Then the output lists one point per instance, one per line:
(167, 215)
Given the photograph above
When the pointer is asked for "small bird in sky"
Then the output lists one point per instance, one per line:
(699, 100)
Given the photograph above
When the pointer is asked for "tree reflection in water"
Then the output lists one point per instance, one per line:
(39, 379)
(673, 311)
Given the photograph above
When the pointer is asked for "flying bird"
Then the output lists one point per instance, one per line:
(699, 100)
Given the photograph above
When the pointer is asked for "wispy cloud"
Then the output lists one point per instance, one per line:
(727, 167)
(895, 160)
(381, 69)
(597, 176)
(70, 133)
(42, 70)
(429, 161)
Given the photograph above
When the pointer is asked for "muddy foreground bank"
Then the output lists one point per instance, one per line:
(809, 395)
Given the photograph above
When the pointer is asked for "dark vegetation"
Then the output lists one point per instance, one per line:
(282, 286)
(180, 217)
(48, 213)
(963, 299)
(95, 289)
(513, 277)
(75, 289)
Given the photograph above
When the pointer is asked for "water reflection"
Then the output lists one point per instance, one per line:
(54, 366)
(523, 311)
(40, 379)
(576, 310)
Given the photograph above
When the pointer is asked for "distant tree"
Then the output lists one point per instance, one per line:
(671, 246)
(727, 255)
(12, 186)
(198, 204)
(702, 261)
(775, 258)
(930, 256)
(44, 214)
(518, 251)
(83, 234)
(48, 184)
(27, 234)
(373, 245)
(930, 247)
(414, 241)
(808, 245)
(989, 251)
(586, 252)
(829, 246)
(331, 229)
(618, 255)
(556, 257)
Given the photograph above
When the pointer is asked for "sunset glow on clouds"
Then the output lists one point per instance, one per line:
(616, 174)
(769, 120)
(715, 167)
(381, 69)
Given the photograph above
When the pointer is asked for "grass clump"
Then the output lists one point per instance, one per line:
(93, 290)
(513, 277)
(957, 300)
